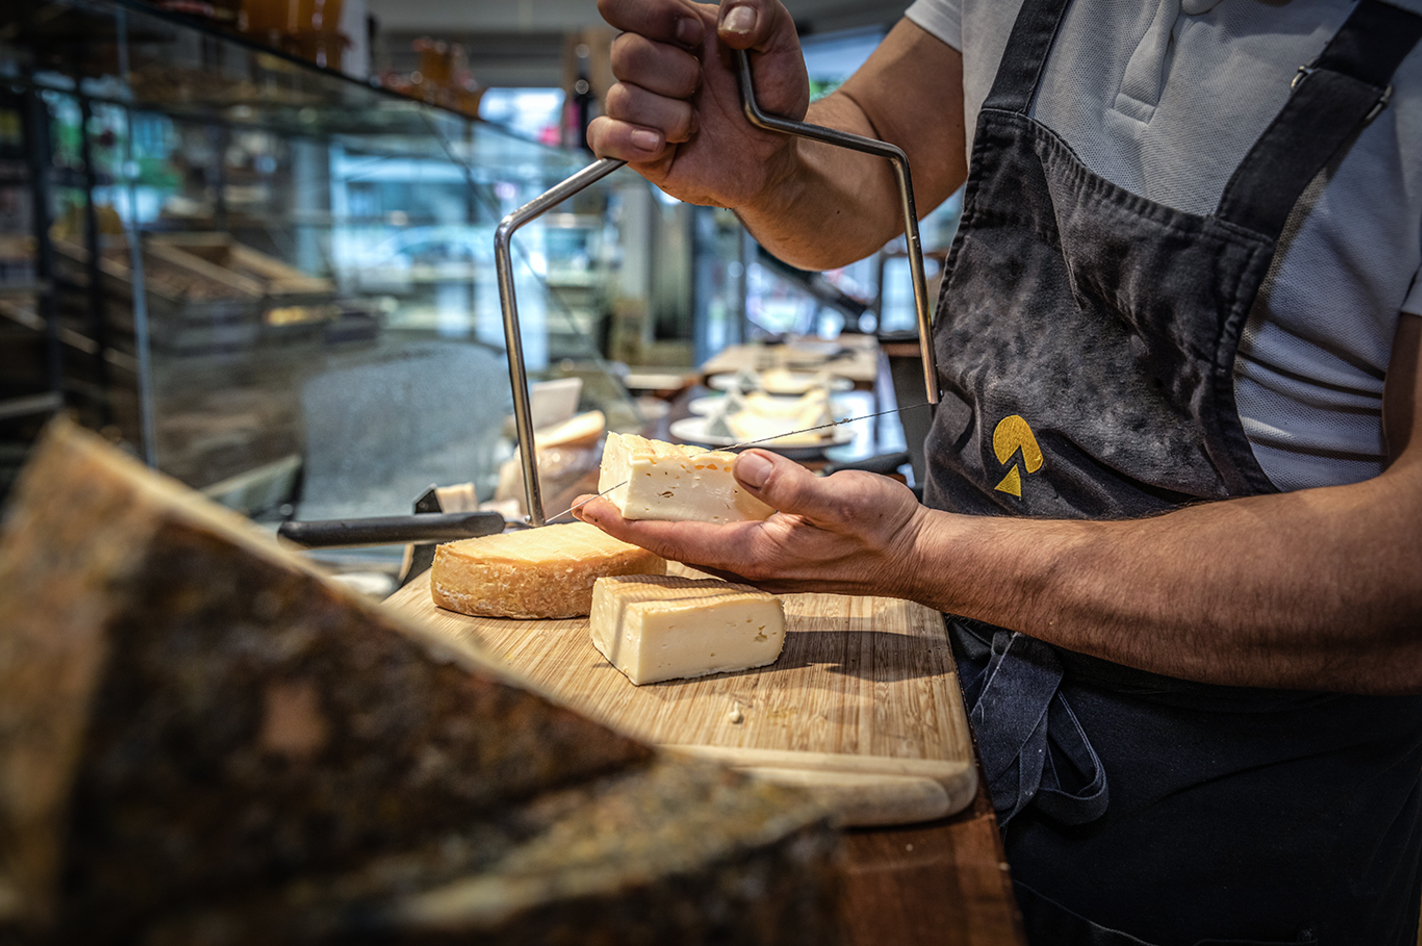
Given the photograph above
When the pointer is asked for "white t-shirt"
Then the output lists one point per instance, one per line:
(1165, 99)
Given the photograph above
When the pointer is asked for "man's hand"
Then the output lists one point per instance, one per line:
(852, 533)
(675, 113)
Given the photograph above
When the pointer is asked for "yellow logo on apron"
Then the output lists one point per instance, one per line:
(1013, 434)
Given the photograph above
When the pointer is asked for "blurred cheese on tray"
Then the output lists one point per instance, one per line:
(535, 573)
(583, 430)
(652, 479)
(808, 420)
(665, 627)
(567, 458)
(786, 381)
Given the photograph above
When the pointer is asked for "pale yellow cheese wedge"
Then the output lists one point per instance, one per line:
(665, 627)
(652, 479)
(535, 573)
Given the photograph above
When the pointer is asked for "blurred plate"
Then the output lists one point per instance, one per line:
(790, 383)
(693, 430)
(814, 349)
(708, 405)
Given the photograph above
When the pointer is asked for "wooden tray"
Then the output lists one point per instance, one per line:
(863, 706)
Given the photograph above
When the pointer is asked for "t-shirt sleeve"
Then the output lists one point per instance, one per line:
(942, 18)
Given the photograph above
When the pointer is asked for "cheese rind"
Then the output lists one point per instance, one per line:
(651, 479)
(656, 628)
(535, 573)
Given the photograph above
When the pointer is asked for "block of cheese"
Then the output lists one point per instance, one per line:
(535, 573)
(207, 743)
(666, 627)
(189, 710)
(650, 479)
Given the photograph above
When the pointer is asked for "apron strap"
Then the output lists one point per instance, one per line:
(1025, 57)
(1340, 92)
(1029, 740)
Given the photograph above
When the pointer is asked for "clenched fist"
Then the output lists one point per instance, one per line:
(675, 113)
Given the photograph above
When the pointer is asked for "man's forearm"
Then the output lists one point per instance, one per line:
(829, 206)
(1318, 589)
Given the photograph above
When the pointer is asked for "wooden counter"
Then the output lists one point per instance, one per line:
(945, 883)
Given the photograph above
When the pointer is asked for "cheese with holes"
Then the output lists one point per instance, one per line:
(650, 479)
(535, 573)
(665, 627)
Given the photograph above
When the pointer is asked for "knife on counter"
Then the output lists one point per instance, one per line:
(391, 530)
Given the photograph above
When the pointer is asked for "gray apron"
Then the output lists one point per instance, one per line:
(1087, 339)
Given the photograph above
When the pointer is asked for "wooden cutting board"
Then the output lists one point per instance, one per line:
(863, 706)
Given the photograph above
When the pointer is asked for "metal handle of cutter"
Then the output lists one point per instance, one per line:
(503, 237)
(899, 160)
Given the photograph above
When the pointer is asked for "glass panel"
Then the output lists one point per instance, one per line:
(280, 280)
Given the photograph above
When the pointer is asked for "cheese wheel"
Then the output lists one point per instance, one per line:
(534, 573)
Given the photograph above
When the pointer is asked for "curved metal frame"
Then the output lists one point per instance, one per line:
(513, 339)
(896, 157)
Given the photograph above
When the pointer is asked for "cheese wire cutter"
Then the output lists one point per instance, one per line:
(503, 237)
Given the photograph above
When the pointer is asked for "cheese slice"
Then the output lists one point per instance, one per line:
(650, 479)
(666, 627)
(535, 573)
(774, 431)
(785, 381)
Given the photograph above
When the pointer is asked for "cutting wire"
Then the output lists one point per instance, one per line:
(751, 443)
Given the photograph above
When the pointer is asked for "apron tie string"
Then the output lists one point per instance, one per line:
(1031, 745)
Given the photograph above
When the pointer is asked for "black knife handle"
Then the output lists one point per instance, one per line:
(391, 530)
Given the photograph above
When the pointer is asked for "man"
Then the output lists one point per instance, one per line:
(1174, 499)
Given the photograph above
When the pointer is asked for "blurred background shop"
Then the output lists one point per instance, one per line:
(252, 242)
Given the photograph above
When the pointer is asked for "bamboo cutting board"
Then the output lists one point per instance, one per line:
(863, 706)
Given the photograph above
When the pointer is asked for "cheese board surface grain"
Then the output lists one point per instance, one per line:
(859, 676)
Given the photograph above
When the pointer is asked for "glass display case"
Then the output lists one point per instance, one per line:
(274, 282)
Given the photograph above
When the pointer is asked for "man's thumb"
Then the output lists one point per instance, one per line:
(780, 483)
(746, 24)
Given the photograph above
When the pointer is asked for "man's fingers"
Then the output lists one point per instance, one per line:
(666, 21)
(656, 67)
(711, 545)
(609, 138)
(673, 118)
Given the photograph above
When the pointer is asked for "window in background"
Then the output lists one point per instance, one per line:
(830, 58)
(532, 113)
